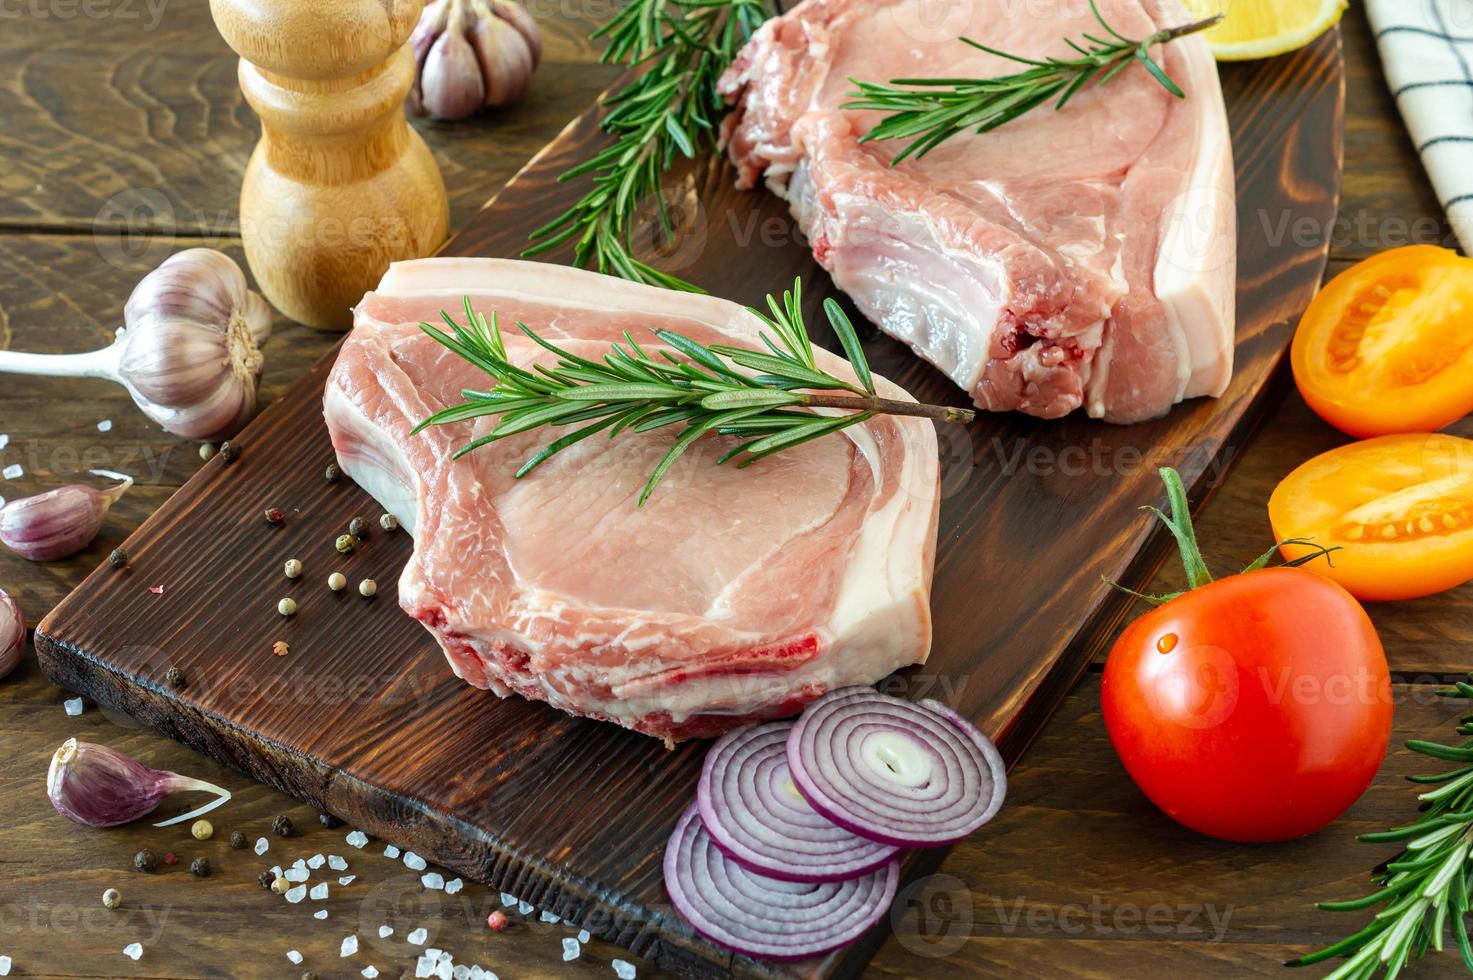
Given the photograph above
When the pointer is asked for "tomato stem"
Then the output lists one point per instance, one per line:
(1180, 525)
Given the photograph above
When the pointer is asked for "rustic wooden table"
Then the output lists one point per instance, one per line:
(124, 137)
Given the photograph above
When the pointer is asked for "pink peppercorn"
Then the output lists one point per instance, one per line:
(497, 921)
(171, 858)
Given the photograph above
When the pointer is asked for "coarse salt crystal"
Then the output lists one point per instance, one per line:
(320, 914)
(477, 973)
(384, 932)
(346, 880)
(295, 895)
(571, 949)
(133, 951)
(391, 851)
(418, 936)
(337, 863)
(357, 839)
(461, 972)
(350, 945)
(5, 441)
(454, 885)
(445, 970)
(583, 936)
(525, 908)
(548, 917)
(436, 953)
(276, 871)
(623, 969)
(414, 862)
(433, 881)
(4, 960)
(370, 971)
(294, 956)
(13, 472)
(508, 899)
(316, 861)
(424, 967)
(73, 706)
(318, 892)
(297, 874)
(106, 425)
(262, 845)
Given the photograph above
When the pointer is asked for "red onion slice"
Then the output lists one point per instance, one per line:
(893, 771)
(755, 814)
(758, 916)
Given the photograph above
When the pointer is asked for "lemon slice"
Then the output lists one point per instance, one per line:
(1264, 28)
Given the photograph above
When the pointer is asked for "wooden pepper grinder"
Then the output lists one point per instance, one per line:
(339, 185)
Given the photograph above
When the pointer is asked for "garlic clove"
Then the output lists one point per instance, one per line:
(12, 633)
(431, 24)
(57, 523)
(102, 787)
(451, 86)
(526, 25)
(505, 58)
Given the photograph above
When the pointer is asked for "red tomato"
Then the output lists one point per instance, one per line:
(1254, 708)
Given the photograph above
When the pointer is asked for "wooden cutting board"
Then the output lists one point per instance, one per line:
(364, 719)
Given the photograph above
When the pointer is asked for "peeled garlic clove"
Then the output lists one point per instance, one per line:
(451, 85)
(12, 633)
(101, 787)
(526, 25)
(191, 353)
(506, 60)
(57, 523)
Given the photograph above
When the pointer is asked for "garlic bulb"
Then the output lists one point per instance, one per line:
(470, 54)
(12, 633)
(59, 522)
(189, 352)
(102, 787)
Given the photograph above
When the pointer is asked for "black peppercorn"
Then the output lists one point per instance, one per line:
(175, 677)
(200, 867)
(145, 860)
(265, 878)
(229, 451)
(282, 826)
(328, 820)
(119, 558)
(274, 515)
(358, 527)
(237, 840)
(334, 474)
(309, 975)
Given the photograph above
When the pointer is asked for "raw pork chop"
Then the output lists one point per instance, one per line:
(1075, 257)
(731, 595)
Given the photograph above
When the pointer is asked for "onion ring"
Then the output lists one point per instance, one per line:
(897, 772)
(757, 817)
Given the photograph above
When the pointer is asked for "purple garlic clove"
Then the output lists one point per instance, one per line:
(451, 85)
(101, 787)
(59, 522)
(12, 633)
(470, 54)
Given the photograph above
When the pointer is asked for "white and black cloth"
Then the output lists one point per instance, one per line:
(1427, 54)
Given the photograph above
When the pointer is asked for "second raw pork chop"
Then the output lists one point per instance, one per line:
(732, 594)
(1080, 257)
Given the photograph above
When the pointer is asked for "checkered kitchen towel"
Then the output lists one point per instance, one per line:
(1427, 54)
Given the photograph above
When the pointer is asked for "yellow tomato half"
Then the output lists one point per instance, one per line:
(1387, 346)
(1399, 508)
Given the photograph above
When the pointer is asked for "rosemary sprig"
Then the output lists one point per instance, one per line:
(671, 107)
(684, 383)
(929, 111)
(1424, 888)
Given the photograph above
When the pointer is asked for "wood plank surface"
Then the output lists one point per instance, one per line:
(385, 748)
(51, 872)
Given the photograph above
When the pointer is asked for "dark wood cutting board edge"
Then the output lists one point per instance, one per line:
(649, 929)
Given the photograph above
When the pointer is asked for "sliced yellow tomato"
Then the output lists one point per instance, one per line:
(1399, 509)
(1387, 346)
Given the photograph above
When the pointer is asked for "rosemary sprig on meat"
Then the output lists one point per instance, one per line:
(681, 48)
(929, 111)
(702, 389)
(1424, 888)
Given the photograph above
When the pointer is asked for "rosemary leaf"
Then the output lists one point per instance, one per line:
(682, 383)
